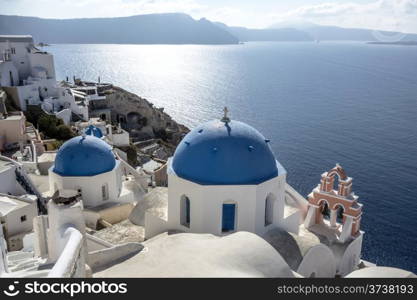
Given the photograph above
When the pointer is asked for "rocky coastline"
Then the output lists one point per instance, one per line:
(153, 133)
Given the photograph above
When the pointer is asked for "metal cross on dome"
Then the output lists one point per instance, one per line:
(225, 118)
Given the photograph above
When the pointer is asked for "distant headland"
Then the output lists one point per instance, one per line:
(400, 43)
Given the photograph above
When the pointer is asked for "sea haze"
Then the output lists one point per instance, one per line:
(320, 103)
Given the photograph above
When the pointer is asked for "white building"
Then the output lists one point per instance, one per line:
(18, 202)
(64, 104)
(12, 130)
(97, 103)
(117, 136)
(22, 60)
(16, 215)
(27, 74)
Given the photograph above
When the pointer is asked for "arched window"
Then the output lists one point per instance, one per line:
(339, 213)
(185, 217)
(228, 217)
(269, 209)
(324, 209)
(104, 192)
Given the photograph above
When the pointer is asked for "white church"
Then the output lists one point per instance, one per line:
(227, 201)
(87, 165)
(89, 168)
(224, 178)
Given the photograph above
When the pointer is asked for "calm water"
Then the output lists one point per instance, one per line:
(351, 103)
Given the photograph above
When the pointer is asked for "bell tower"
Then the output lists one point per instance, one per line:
(338, 202)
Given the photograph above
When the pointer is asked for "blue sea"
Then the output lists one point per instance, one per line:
(319, 104)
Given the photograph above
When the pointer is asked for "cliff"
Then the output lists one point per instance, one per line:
(141, 118)
(170, 28)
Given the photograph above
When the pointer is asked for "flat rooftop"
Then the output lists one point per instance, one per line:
(10, 203)
(16, 38)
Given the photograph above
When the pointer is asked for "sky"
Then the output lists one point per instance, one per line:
(395, 15)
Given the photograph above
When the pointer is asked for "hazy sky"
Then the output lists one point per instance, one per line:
(399, 15)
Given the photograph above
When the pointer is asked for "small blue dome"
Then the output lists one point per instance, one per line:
(95, 131)
(84, 156)
(218, 153)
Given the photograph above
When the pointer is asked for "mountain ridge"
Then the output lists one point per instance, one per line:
(173, 28)
(178, 28)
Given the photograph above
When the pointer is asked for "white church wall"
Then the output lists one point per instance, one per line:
(206, 204)
(213, 198)
(274, 189)
(177, 188)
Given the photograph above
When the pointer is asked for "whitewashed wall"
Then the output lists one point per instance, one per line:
(206, 203)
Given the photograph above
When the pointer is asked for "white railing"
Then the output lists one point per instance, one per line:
(71, 262)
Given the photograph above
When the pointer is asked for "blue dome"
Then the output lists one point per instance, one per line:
(216, 153)
(93, 130)
(84, 156)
